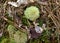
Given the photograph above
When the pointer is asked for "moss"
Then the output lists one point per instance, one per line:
(20, 37)
(11, 29)
(16, 36)
(25, 21)
(32, 13)
(5, 40)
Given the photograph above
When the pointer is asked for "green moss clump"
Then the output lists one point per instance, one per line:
(31, 13)
(20, 37)
(16, 36)
(5, 40)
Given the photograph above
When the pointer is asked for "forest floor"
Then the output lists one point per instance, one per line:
(12, 17)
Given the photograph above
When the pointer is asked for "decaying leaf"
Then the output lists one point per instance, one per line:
(34, 34)
(18, 3)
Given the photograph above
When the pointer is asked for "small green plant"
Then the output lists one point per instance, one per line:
(31, 13)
